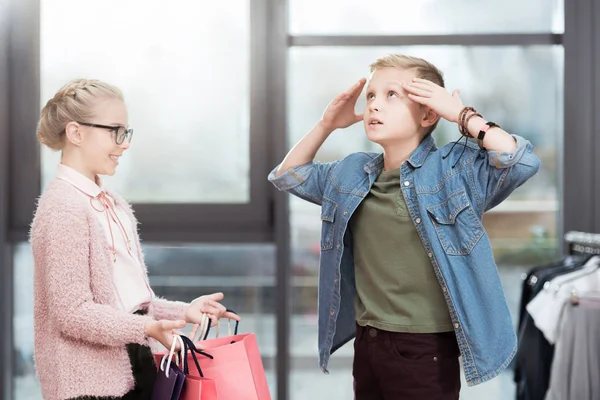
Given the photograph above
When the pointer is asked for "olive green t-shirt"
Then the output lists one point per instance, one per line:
(397, 289)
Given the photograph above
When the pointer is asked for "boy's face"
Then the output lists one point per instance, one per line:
(390, 116)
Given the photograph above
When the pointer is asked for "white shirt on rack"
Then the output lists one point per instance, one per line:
(132, 290)
(547, 306)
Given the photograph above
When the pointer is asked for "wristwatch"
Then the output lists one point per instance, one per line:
(482, 132)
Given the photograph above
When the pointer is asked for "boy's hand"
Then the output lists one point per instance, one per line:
(435, 97)
(340, 112)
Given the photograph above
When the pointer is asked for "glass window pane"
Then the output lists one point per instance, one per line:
(519, 88)
(409, 17)
(244, 273)
(184, 70)
(25, 382)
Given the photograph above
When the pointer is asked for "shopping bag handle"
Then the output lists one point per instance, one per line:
(169, 356)
(235, 330)
(191, 347)
(237, 323)
(205, 325)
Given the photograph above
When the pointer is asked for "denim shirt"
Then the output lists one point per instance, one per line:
(446, 203)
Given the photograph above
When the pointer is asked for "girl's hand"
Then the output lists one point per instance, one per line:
(163, 331)
(209, 305)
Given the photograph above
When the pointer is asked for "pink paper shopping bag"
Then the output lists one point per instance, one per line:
(232, 362)
(236, 367)
(199, 389)
(196, 386)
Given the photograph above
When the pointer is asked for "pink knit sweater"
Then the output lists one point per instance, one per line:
(80, 334)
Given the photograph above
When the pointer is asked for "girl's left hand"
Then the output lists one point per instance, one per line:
(435, 97)
(208, 304)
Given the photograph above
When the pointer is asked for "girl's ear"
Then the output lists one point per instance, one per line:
(73, 133)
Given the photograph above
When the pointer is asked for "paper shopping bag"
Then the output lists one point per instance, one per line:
(236, 366)
(232, 362)
(199, 389)
(196, 387)
(170, 379)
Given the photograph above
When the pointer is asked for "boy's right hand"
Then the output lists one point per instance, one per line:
(162, 331)
(340, 112)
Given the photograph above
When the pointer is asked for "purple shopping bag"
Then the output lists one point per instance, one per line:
(170, 379)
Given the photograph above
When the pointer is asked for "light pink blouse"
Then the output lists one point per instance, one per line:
(132, 290)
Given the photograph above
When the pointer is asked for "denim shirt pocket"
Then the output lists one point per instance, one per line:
(328, 209)
(456, 224)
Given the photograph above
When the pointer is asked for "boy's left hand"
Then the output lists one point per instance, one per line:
(435, 97)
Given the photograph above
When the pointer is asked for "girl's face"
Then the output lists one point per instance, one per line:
(99, 149)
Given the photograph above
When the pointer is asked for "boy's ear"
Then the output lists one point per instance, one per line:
(429, 118)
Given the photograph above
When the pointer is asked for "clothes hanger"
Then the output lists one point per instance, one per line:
(590, 268)
(586, 297)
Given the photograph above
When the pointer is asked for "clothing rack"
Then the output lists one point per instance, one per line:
(582, 243)
(538, 370)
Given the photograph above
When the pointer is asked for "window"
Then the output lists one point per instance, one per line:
(196, 80)
(424, 17)
(244, 273)
(511, 85)
(186, 85)
(25, 383)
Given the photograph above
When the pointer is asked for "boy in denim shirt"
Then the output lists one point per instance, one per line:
(406, 266)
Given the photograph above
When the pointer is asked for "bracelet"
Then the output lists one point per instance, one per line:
(465, 131)
(461, 119)
(482, 132)
(463, 112)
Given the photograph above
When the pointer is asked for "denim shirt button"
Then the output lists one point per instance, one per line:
(337, 246)
(332, 313)
(429, 255)
(418, 220)
(406, 183)
(456, 325)
(345, 212)
(444, 289)
(335, 281)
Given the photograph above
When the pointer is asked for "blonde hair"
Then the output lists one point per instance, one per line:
(425, 70)
(73, 102)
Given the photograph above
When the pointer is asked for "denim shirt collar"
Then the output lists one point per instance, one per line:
(416, 159)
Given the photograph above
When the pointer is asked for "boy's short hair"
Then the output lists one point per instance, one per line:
(425, 70)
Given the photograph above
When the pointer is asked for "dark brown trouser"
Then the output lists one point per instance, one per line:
(406, 366)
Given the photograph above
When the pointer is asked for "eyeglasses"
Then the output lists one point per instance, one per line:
(121, 133)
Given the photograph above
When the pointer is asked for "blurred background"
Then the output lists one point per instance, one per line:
(219, 91)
